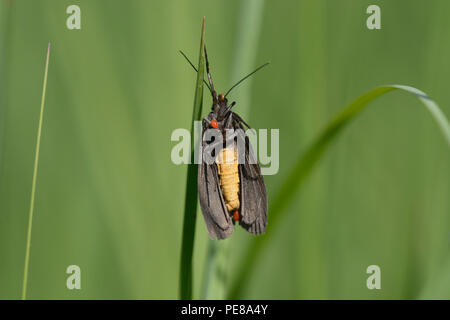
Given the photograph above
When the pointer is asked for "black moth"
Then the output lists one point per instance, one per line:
(230, 192)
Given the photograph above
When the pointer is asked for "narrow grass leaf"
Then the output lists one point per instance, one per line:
(190, 205)
(33, 183)
(308, 161)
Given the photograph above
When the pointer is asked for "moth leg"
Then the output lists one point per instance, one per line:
(229, 124)
(230, 106)
(241, 120)
(205, 121)
(229, 120)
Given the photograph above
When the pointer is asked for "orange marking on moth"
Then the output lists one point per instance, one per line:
(214, 124)
(236, 216)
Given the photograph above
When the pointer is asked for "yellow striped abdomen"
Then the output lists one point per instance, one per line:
(227, 165)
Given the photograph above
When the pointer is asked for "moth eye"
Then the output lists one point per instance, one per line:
(221, 97)
(214, 124)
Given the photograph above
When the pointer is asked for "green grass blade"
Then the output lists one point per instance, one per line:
(309, 159)
(190, 205)
(214, 286)
(33, 183)
(437, 286)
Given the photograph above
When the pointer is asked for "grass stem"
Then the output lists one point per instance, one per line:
(191, 199)
(33, 183)
(308, 161)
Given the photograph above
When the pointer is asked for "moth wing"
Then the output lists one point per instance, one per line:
(253, 201)
(253, 193)
(218, 221)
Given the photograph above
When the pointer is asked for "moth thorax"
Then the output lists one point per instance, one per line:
(227, 165)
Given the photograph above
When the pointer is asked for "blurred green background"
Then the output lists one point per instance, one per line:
(110, 200)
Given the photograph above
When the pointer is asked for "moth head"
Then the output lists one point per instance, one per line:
(220, 106)
(222, 99)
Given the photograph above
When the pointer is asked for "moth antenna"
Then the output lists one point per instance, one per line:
(192, 65)
(251, 73)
